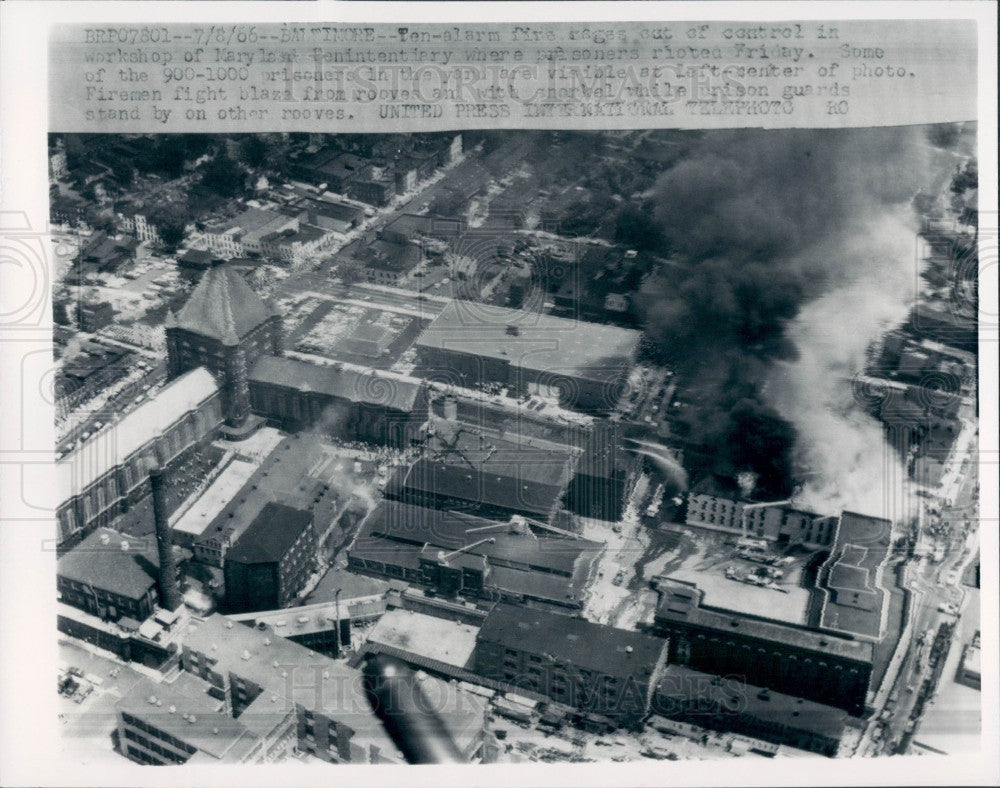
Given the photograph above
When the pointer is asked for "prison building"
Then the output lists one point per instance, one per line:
(460, 555)
(225, 327)
(582, 365)
(786, 658)
(350, 402)
(109, 472)
(271, 560)
(600, 670)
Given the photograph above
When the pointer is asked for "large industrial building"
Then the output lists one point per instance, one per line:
(717, 503)
(604, 474)
(603, 671)
(791, 659)
(107, 473)
(272, 559)
(466, 470)
(257, 674)
(583, 365)
(297, 473)
(347, 401)
(456, 554)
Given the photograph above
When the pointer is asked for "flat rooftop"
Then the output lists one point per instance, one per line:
(219, 493)
(288, 673)
(439, 639)
(681, 683)
(851, 578)
(527, 457)
(294, 473)
(682, 605)
(193, 717)
(531, 340)
(588, 646)
(310, 619)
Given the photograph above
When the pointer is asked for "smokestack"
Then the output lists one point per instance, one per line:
(451, 408)
(170, 594)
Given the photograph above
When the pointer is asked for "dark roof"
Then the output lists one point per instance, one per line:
(682, 604)
(388, 256)
(223, 306)
(587, 646)
(415, 224)
(550, 345)
(471, 484)
(102, 562)
(685, 685)
(270, 535)
(520, 456)
(197, 258)
(369, 387)
(395, 522)
(718, 486)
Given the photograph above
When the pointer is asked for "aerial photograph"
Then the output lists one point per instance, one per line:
(517, 446)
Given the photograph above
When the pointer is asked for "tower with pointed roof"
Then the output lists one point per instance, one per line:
(224, 326)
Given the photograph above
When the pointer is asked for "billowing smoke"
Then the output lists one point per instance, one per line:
(778, 239)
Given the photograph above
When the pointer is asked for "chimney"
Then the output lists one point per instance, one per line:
(170, 594)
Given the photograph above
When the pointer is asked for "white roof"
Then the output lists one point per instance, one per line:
(118, 441)
(196, 519)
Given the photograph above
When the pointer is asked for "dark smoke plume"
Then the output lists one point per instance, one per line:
(758, 222)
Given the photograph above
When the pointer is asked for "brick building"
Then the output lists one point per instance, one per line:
(225, 327)
(786, 658)
(108, 472)
(352, 402)
(600, 670)
(270, 562)
(582, 365)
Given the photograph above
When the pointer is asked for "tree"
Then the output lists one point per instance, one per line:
(351, 270)
(254, 151)
(223, 176)
(170, 221)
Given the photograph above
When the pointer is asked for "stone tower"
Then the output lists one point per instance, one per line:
(224, 326)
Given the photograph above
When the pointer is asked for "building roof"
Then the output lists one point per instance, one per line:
(386, 256)
(223, 306)
(585, 645)
(113, 562)
(270, 535)
(516, 456)
(320, 617)
(551, 345)
(213, 500)
(414, 224)
(198, 258)
(854, 597)
(685, 685)
(446, 480)
(289, 672)
(440, 639)
(543, 551)
(118, 441)
(193, 717)
(682, 604)
(374, 388)
(296, 463)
